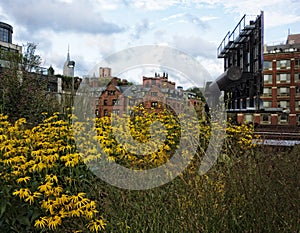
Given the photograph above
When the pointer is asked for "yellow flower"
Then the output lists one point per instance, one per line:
(57, 190)
(78, 197)
(41, 222)
(23, 179)
(96, 225)
(30, 199)
(45, 187)
(51, 178)
(53, 222)
(23, 193)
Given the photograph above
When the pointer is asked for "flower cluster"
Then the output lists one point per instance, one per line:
(45, 174)
(42, 168)
(143, 140)
(240, 137)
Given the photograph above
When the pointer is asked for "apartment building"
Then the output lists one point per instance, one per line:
(281, 92)
(155, 93)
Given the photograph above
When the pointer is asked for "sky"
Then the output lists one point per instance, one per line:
(96, 29)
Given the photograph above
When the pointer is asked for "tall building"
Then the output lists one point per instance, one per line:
(280, 98)
(281, 92)
(69, 66)
(6, 32)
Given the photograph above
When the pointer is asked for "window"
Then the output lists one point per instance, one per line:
(111, 92)
(283, 118)
(283, 78)
(267, 91)
(153, 82)
(104, 102)
(249, 118)
(297, 91)
(283, 91)
(297, 105)
(115, 102)
(105, 112)
(4, 35)
(265, 118)
(97, 112)
(131, 102)
(267, 104)
(268, 78)
(154, 104)
(283, 104)
(297, 77)
(267, 65)
(283, 64)
(297, 63)
(116, 111)
(153, 93)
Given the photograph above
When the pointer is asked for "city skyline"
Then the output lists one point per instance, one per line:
(97, 28)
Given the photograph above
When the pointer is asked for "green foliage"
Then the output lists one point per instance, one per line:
(45, 184)
(23, 92)
(198, 92)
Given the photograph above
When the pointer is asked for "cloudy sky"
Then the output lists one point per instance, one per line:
(95, 29)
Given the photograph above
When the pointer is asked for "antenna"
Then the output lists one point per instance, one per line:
(68, 55)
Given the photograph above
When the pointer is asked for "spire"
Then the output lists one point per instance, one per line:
(69, 65)
(68, 56)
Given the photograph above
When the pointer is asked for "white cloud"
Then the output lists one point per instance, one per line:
(171, 17)
(195, 46)
(97, 28)
(59, 16)
(277, 12)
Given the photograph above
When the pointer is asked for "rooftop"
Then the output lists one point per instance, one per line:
(292, 45)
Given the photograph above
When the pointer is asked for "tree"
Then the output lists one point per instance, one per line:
(23, 87)
(198, 92)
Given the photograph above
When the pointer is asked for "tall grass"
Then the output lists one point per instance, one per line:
(249, 189)
(255, 192)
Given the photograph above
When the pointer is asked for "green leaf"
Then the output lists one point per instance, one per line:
(24, 220)
(2, 208)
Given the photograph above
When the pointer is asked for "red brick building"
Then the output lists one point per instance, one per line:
(281, 91)
(155, 94)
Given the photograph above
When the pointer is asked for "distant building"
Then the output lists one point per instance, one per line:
(104, 72)
(156, 93)
(6, 32)
(69, 66)
(6, 44)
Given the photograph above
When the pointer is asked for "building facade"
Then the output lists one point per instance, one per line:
(6, 44)
(155, 94)
(104, 72)
(281, 92)
(69, 66)
(281, 86)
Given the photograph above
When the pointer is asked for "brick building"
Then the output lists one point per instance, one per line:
(281, 92)
(156, 93)
(280, 99)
